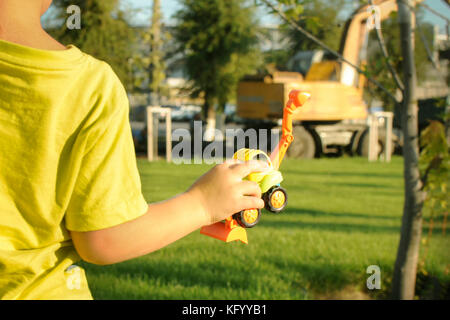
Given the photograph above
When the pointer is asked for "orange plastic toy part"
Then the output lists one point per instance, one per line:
(278, 199)
(226, 231)
(296, 100)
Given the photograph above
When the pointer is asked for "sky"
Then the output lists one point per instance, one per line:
(169, 7)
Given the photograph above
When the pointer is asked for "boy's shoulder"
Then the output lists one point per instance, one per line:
(100, 67)
(103, 75)
(103, 84)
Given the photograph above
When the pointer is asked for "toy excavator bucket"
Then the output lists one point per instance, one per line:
(228, 231)
(299, 98)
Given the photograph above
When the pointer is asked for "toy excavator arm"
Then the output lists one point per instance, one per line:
(296, 100)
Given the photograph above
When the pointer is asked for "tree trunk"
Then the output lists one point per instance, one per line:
(156, 58)
(210, 117)
(408, 250)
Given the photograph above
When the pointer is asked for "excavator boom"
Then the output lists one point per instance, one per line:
(354, 38)
(296, 100)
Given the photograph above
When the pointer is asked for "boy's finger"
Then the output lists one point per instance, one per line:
(244, 169)
(250, 188)
(231, 162)
(252, 202)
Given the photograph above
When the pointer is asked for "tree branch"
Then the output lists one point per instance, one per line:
(434, 11)
(385, 53)
(426, 46)
(327, 48)
(433, 165)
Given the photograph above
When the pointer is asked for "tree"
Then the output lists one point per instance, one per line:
(377, 67)
(157, 67)
(321, 19)
(405, 269)
(104, 32)
(218, 40)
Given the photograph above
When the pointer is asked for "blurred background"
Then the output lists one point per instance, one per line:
(230, 64)
(209, 60)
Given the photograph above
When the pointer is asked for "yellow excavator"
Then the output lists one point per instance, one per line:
(335, 118)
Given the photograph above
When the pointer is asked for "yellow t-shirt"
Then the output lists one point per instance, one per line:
(67, 162)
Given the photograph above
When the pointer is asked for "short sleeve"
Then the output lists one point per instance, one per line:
(108, 186)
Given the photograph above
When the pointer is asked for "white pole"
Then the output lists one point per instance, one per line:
(168, 136)
(373, 137)
(150, 134)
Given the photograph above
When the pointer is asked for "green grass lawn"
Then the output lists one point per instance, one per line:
(343, 215)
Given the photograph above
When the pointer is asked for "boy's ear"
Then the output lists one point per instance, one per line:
(45, 4)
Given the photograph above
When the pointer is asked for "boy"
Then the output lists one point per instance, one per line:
(69, 185)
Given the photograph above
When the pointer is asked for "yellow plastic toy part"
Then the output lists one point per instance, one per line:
(245, 154)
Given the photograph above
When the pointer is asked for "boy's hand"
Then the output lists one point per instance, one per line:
(222, 192)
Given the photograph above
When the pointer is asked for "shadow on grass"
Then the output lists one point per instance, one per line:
(344, 174)
(318, 278)
(338, 227)
(346, 227)
(363, 185)
(319, 213)
(301, 279)
(335, 227)
(332, 226)
(211, 274)
(381, 189)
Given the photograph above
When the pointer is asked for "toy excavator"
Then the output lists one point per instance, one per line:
(274, 196)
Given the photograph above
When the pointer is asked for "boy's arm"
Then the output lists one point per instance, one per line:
(216, 195)
(164, 222)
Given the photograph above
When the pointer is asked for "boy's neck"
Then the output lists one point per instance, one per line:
(24, 27)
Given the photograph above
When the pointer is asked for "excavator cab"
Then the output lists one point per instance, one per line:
(315, 65)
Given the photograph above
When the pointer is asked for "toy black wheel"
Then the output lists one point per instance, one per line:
(275, 199)
(248, 218)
